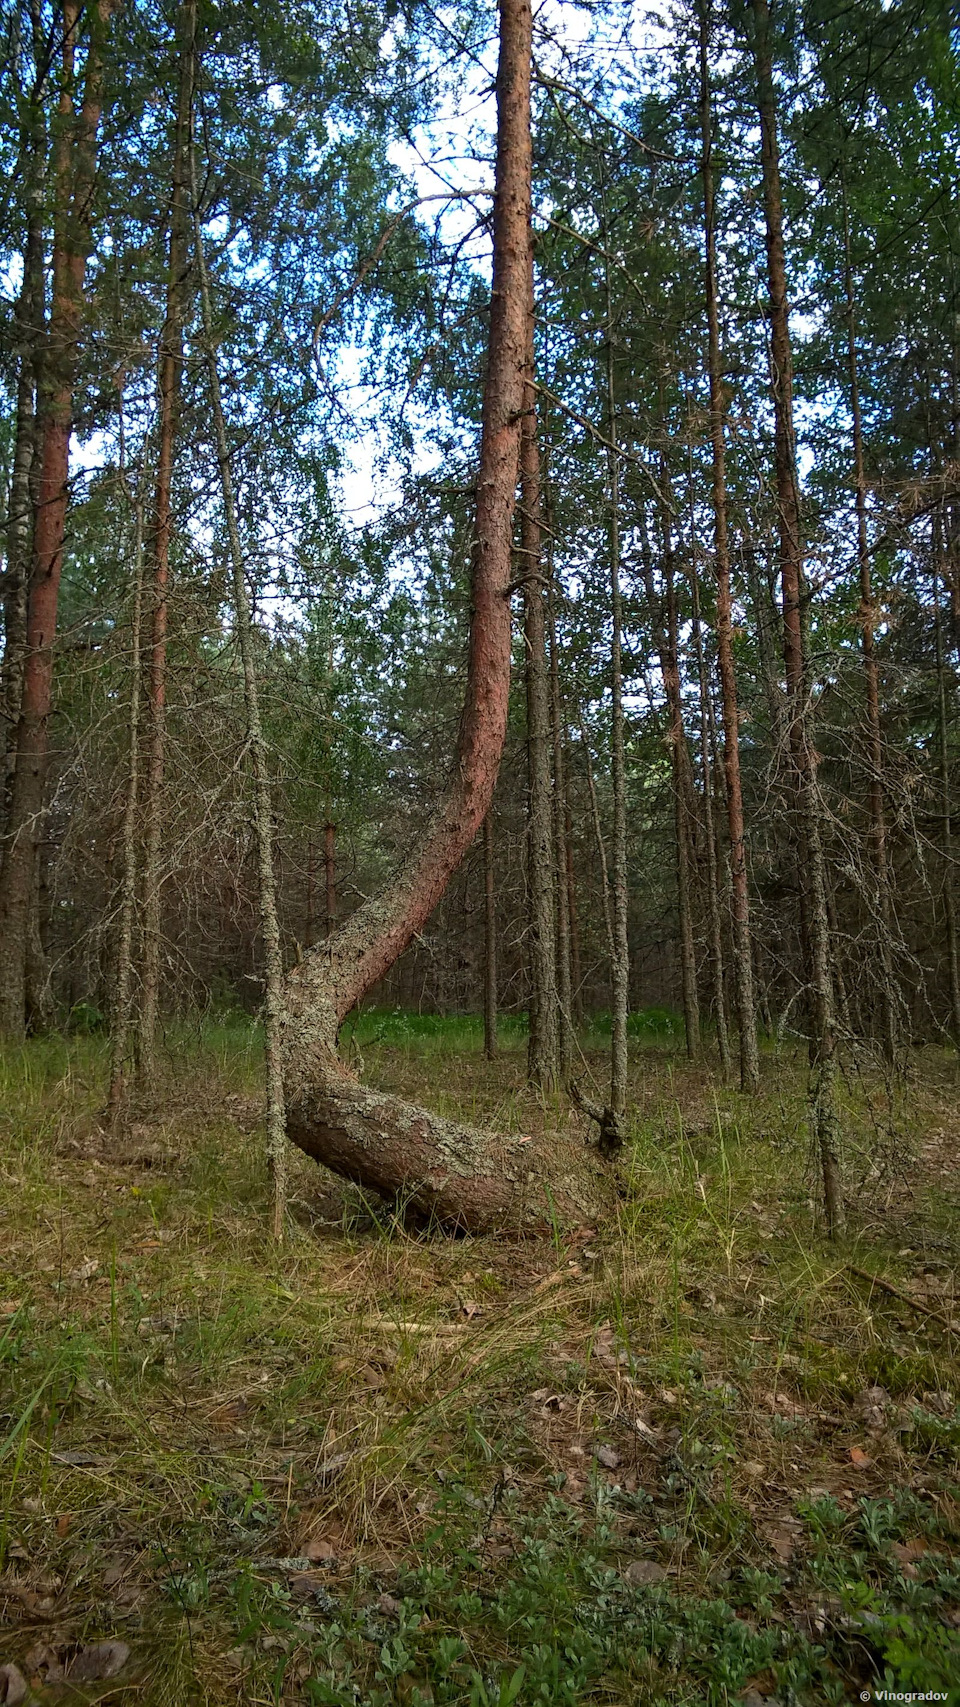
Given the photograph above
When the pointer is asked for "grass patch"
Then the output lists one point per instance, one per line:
(688, 1455)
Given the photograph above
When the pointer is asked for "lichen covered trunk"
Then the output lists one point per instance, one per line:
(434, 1169)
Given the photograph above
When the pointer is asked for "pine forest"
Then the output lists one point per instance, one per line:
(479, 853)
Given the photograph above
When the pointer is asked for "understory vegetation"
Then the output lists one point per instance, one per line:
(695, 1455)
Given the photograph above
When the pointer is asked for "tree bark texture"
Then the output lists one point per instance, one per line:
(73, 171)
(710, 834)
(561, 849)
(665, 616)
(489, 942)
(612, 1126)
(949, 858)
(543, 1050)
(683, 821)
(803, 758)
(329, 877)
(171, 365)
(739, 888)
(29, 320)
(122, 1016)
(438, 1169)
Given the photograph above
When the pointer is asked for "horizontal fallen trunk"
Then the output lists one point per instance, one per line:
(434, 1169)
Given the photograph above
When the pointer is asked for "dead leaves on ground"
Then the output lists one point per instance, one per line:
(51, 1663)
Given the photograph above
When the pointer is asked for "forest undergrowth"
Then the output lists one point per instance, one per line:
(696, 1455)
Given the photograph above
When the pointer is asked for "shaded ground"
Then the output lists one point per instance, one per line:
(695, 1456)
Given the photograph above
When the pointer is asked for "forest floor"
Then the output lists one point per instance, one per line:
(696, 1455)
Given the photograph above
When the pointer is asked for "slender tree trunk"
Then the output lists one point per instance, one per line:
(868, 617)
(171, 364)
(843, 1005)
(489, 943)
(74, 164)
(600, 844)
(682, 789)
(257, 745)
(542, 1056)
(739, 890)
(122, 1018)
(768, 623)
(330, 877)
(680, 768)
(435, 1167)
(803, 757)
(560, 846)
(309, 922)
(943, 744)
(612, 1127)
(576, 978)
(38, 999)
(29, 320)
(710, 833)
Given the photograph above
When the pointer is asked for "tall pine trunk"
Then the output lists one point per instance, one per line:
(947, 841)
(664, 615)
(739, 890)
(435, 1167)
(329, 878)
(171, 363)
(612, 1126)
(29, 318)
(710, 833)
(489, 942)
(543, 1051)
(256, 742)
(815, 921)
(561, 846)
(868, 618)
(73, 172)
(122, 1015)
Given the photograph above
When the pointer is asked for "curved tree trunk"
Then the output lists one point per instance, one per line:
(454, 1174)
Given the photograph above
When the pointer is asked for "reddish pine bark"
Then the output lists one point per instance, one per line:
(73, 169)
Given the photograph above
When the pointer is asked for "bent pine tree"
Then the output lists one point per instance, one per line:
(441, 1170)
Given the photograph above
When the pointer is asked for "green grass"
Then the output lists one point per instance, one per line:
(488, 1435)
